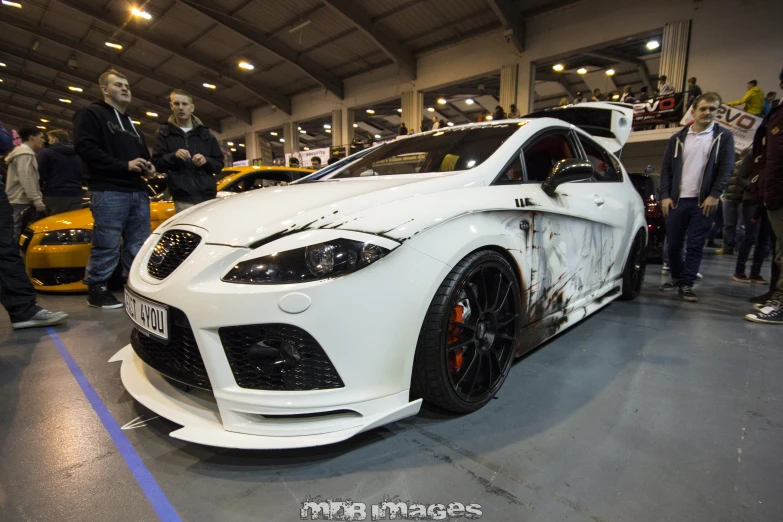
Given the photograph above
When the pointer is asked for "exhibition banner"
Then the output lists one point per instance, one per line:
(305, 157)
(656, 111)
(741, 124)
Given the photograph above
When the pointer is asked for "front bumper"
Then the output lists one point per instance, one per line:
(367, 323)
(56, 268)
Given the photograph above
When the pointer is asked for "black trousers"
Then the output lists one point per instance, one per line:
(17, 294)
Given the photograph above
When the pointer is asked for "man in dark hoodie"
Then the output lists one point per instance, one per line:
(60, 172)
(189, 153)
(116, 157)
(697, 165)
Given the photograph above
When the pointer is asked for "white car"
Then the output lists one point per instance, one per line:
(302, 315)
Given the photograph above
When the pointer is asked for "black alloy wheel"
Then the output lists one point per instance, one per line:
(635, 269)
(470, 334)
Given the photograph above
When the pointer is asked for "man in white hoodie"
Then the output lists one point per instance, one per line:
(22, 186)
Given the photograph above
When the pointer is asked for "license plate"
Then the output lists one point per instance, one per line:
(151, 318)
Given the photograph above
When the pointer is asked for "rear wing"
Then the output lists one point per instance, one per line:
(608, 122)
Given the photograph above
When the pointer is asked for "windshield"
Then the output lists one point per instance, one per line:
(448, 150)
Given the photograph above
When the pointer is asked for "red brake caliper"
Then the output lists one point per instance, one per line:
(455, 333)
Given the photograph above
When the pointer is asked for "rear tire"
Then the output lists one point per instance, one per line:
(470, 334)
(635, 269)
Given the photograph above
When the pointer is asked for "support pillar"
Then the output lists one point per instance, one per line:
(674, 52)
(251, 147)
(291, 136)
(526, 87)
(337, 128)
(348, 128)
(412, 104)
(509, 79)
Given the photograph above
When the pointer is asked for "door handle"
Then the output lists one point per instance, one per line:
(599, 200)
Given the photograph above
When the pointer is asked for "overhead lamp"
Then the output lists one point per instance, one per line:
(232, 149)
(488, 118)
(581, 70)
(41, 127)
(282, 140)
(2, 64)
(136, 122)
(242, 145)
(12, 4)
(65, 100)
(1, 80)
(653, 44)
(355, 125)
(377, 136)
(327, 126)
(469, 101)
(44, 120)
(610, 72)
(209, 86)
(114, 45)
(370, 111)
(273, 133)
(615, 96)
(450, 124)
(430, 109)
(306, 148)
(75, 89)
(558, 67)
(152, 114)
(230, 143)
(141, 13)
(441, 101)
(328, 131)
(399, 110)
(247, 66)
(302, 132)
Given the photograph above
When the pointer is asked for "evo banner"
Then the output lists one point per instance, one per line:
(741, 124)
(657, 111)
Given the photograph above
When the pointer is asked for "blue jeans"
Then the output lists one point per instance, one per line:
(732, 226)
(688, 221)
(118, 216)
(755, 234)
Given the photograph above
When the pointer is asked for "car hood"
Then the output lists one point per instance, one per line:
(255, 216)
(81, 218)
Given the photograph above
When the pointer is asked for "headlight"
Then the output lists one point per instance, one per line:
(74, 236)
(323, 260)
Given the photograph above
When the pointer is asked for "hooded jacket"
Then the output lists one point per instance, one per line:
(22, 184)
(720, 164)
(753, 101)
(60, 170)
(768, 154)
(106, 141)
(186, 182)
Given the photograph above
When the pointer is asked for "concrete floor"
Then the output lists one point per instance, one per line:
(652, 410)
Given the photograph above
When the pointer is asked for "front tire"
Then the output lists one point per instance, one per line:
(635, 269)
(470, 334)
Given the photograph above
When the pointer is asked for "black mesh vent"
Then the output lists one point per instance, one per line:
(177, 359)
(172, 249)
(277, 357)
(57, 276)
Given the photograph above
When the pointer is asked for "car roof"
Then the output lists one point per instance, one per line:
(234, 173)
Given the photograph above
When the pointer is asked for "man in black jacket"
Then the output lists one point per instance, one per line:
(60, 172)
(696, 168)
(116, 157)
(189, 153)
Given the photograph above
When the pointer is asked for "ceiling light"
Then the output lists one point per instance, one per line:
(230, 143)
(41, 127)
(113, 45)
(75, 89)
(282, 140)
(441, 101)
(558, 67)
(273, 133)
(241, 144)
(232, 149)
(327, 126)
(246, 66)
(65, 100)
(302, 132)
(399, 110)
(488, 118)
(653, 44)
(306, 148)
(370, 111)
(2, 64)
(328, 131)
(44, 120)
(141, 13)
(136, 122)
(12, 4)
(581, 70)
(430, 109)
(469, 101)
(610, 72)
(209, 86)
(450, 124)
(1, 80)
(615, 96)
(377, 136)
(152, 114)
(355, 125)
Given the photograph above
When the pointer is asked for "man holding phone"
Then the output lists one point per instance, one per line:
(116, 157)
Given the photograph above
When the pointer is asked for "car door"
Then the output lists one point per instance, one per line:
(569, 229)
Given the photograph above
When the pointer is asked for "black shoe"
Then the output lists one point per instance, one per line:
(671, 284)
(761, 299)
(771, 314)
(100, 297)
(687, 294)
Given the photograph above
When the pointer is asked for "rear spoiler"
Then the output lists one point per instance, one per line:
(608, 122)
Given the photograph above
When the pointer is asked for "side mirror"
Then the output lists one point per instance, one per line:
(566, 171)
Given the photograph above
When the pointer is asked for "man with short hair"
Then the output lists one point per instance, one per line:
(188, 153)
(753, 101)
(22, 186)
(60, 169)
(116, 157)
(17, 294)
(597, 96)
(666, 87)
(315, 163)
(697, 165)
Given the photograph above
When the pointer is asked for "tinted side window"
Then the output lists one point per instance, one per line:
(512, 174)
(604, 168)
(543, 153)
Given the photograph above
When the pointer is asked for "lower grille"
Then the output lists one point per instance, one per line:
(277, 357)
(178, 359)
(57, 276)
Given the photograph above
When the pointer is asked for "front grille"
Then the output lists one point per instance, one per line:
(27, 236)
(57, 276)
(177, 359)
(301, 365)
(170, 251)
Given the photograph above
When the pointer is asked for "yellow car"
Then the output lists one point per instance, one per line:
(57, 248)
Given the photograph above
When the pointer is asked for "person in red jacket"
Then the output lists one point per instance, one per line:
(768, 151)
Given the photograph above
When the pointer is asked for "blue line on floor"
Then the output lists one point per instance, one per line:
(155, 495)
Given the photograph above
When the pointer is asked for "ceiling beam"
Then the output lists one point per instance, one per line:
(349, 11)
(511, 17)
(380, 121)
(466, 91)
(458, 111)
(310, 67)
(10, 120)
(645, 74)
(145, 72)
(570, 89)
(616, 57)
(267, 94)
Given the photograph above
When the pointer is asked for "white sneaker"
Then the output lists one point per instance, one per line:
(699, 276)
(665, 268)
(42, 318)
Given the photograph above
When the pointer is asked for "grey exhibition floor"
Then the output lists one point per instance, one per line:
(653, 410)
